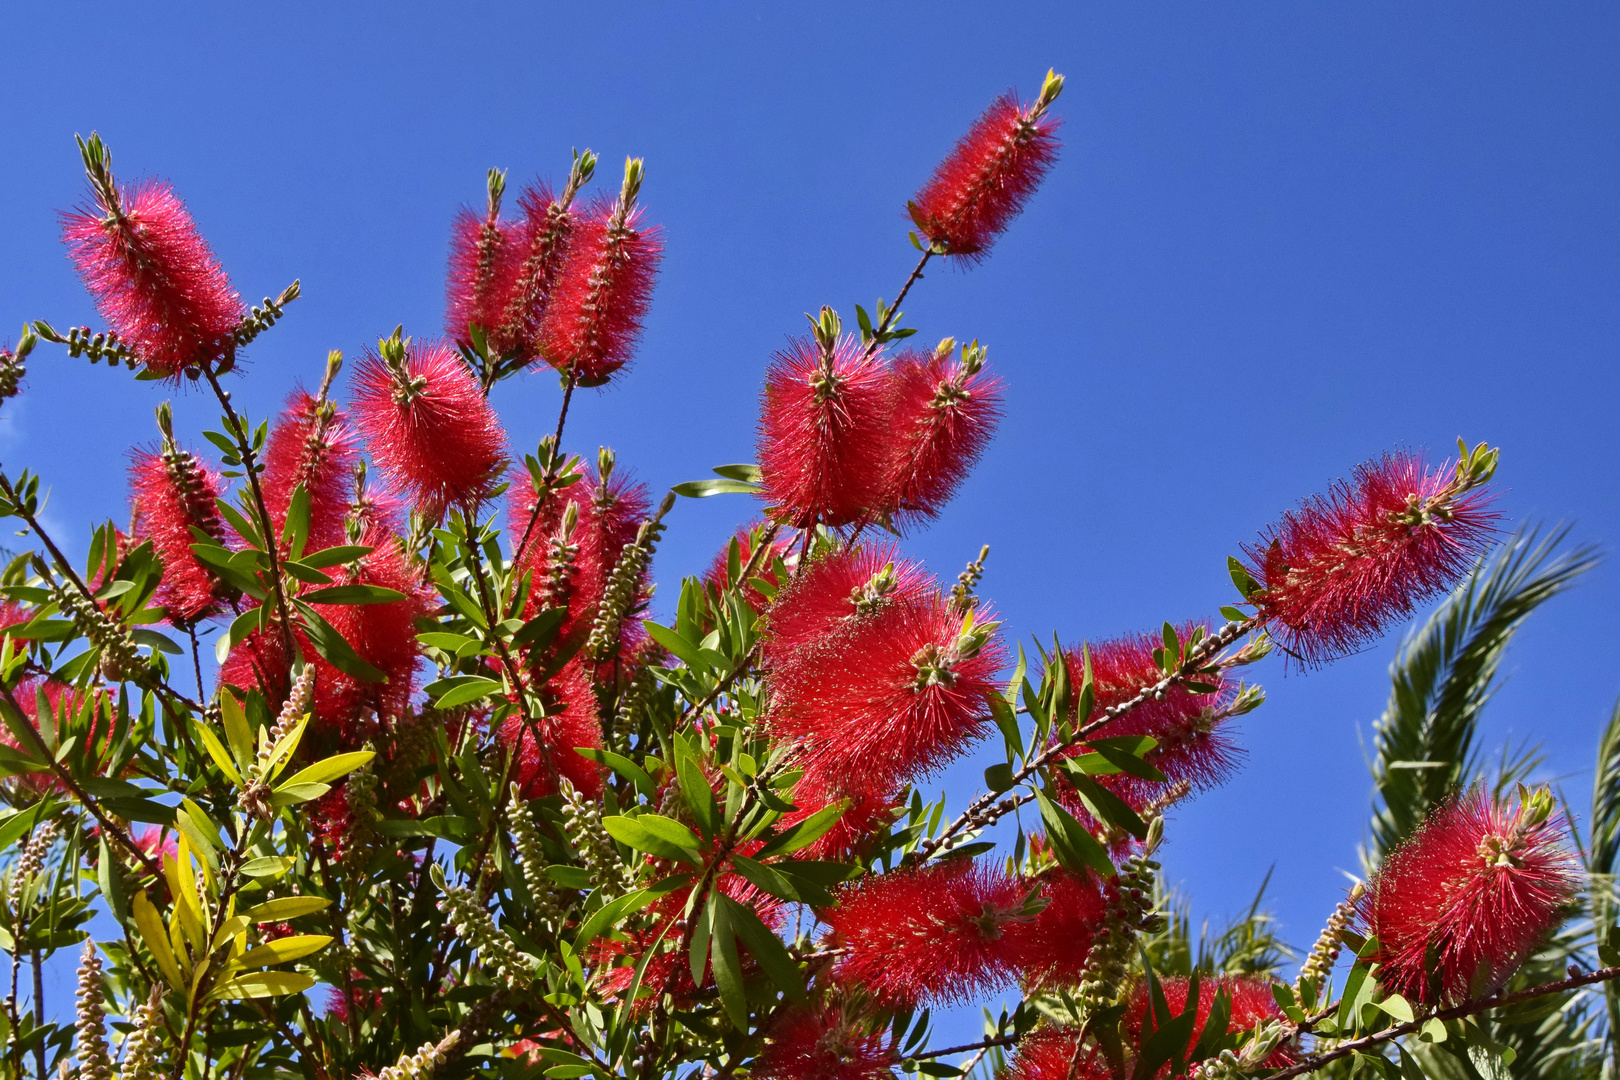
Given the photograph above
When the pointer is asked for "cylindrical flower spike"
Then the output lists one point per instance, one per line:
(545, 749)
(825, 430)
(1462, 902)
(823, 1041)
(989, 175)
(428, 425)
(1333, 574)
(937, 933)
(1058, 1054)
(1193, 748)
(486, 259)
(153, 276)
(904, 693)
(595, 310)
(1052, 948)
(313, 447)
(944, 415)
(174, 492)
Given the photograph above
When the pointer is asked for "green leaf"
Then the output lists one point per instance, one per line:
(267, 867)
(702, 489)
(1233, 614)
(13, 826)
(609, 915)
(283, 950)
(1240, 577)
(999, 777)
(332, 556)
(333, 646)
(748, 474)
(286, 907)
(623, 766)
(766, 949)
(237, 730)
(684, 650)
(1128, 763)
(1106, 806)
(778, 880)
(353, 594)
(1075, 848)
(331, 768)
(540, 631)
(261, 985)
(803, 834)
(728, 968)
(216, 751)
(570, 877)
(660, 836)
(461, 690)
(241, 627)
(293, 794)
(1398, 1007)
(695, 789)
(295, 529)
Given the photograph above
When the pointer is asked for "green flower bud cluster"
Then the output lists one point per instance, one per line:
(1129, 912)
(477, 929)
(120, 659)
(1325, 953)
(582, 822)
(427, 1060)
(625, 583)
(90, 1043)
(142, 1046)
(532, 859)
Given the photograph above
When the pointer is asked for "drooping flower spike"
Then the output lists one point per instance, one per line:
(593, 318)
(550, 222)
(989, 175)
(428, 425)
(313, 447)
(937, 933)
(154, 278)
(546, 750)
(1333, 574)
(825, 434)
(945, 413)
(172, 493)
(1468, 896)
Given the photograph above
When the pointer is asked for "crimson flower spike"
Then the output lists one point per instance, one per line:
(989, 175)
(945, 414)
(1334, 573)
(175, 493)
(486, 256)
(313, 447)
(824, 1041)
(595, 311)
(825, 430)
(428, 424)
(154, 278)
(937, 933)
(1461, 903)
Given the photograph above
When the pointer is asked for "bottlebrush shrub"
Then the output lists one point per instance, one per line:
(365, 770)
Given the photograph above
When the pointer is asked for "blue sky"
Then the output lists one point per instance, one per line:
(1282, 239)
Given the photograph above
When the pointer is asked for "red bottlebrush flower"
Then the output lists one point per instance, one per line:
(833, 594)
(935, 933)
(153, 276)
(486, 260)
(173, 492)
(1252, 1004)
(157, 843)
(1334, 573)
(988, 176)
(944, 415)
(63, 707)
(545, 750)
(549, 224)
(313, 446)
(823, 1042)
(603, 290)
(1051, 949)
(428, 425)
(1193, 747)
(825, 433)
(1462, 902)
(903, 693)
(1054, 1054)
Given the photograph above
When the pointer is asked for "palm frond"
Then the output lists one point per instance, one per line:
(1248, 945)
(1602, 852)
(1446, 672)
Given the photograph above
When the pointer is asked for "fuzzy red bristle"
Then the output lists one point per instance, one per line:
(550, 228)
(486, 261)
(824, 442)
(935, 933)
(1462, 902)
(1058, 1054)
(429, 427)
(172, 493)
(1052, 948)
(546, 750)
(986, 179)
(1337, 571)
(601, 294)
(867, 715)
(318, 454)
(943, 419)
(823, 1042)
(154, 278)
(834, 593)
(719, 573)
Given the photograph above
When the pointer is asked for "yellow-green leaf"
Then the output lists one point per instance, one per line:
(292, 794)
(216, 751)
(282, 752)
(262, 984)
(268, 866)
(323, 772)
(150, 925)
(286, 907)
(237, 729)
(281, 950)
